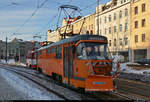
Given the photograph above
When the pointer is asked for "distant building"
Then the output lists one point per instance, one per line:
(15, 48)
(140, 30)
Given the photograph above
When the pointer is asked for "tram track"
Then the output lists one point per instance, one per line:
(50, 80)
(38, 83)
(120, 94)
(138, 89)
(84, 95)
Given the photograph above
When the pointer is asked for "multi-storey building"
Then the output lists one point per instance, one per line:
(84, 25)
(140, 30)
(73, 27)
(113, 21)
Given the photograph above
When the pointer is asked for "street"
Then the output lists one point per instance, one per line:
(14, 87)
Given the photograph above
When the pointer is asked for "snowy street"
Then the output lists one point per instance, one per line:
(140, 74)
(7, 92)
(14, 87)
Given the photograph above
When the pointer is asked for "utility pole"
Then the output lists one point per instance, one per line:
(6, 51)
(98, 17)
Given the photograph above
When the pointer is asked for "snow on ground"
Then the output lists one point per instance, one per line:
(129, 73)
(12, 62)
(126, 69)
(26, 87)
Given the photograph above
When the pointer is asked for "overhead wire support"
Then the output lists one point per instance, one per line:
(68, 17)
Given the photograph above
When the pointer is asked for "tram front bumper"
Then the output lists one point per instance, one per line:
(99, 83)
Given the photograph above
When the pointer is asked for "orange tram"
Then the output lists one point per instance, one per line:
(82, 61)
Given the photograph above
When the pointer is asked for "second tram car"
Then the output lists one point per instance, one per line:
(31, 60)
(81, 61)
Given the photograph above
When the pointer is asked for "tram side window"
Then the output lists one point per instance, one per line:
(52, 50)
(58, 52)
(47, 51)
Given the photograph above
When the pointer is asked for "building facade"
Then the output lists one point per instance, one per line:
(140, 30)
(84, 25)
(53, 36)
(75, 26)
(113, 21)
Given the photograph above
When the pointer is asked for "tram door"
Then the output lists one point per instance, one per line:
(68, 63)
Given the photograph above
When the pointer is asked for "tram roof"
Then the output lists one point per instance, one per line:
(75, 39)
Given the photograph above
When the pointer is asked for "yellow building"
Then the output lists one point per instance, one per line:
(140, 30)
(53, 36)
(73, 27)
(84, 25)
(113, 21)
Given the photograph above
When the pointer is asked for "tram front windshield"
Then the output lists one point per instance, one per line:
(92, 50)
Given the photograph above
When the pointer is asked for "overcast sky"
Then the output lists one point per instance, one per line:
(35, 17)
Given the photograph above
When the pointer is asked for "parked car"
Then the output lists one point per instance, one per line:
(144, 61)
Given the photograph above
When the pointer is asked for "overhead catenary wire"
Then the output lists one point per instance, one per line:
(50, 21)
(40, 6)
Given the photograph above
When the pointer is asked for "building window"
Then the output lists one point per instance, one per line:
(120, 41)
(100, 21)
(136, 24)
(100, 31)
(136, 10)
(126, 12)
(114, 42)
(92, 26)
(143, 7)
(109, 42)
(120, 14)
(97, 21)
(115, 30)
(114, 16)
(105, 20)
(109, 30)
(143, 22)
(121, 1)
(126, 41)
(120, 27)
(136, 38)
(143, 37)
(126, 27)
(105, 30)
(109, 18)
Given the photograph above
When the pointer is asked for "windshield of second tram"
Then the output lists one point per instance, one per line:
(92, 50)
